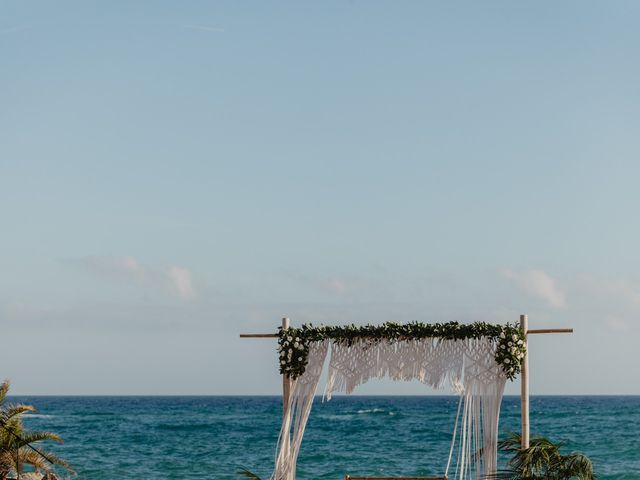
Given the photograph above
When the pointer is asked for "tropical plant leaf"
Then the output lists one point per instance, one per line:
(541, 461)
(11, 411)
(28, 438)
(17, 444)
(4, 389)
(243, 472)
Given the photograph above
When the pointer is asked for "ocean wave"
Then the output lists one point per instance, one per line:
(340, 417)
(375, 411)
(185, 427)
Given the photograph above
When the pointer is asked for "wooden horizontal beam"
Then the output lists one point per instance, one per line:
(550, 330)
(349, 477)
(529, 332)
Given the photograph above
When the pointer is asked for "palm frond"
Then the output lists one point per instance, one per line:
(577, 465)
(511, 443)
(505, 474)
(541, 460)
(42, 459)
(17, 444)
(243, 472)
(28, 438)
(4, 389)
(11, 411)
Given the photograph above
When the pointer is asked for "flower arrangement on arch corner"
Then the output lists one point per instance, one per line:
(293, 350)
(511, 350)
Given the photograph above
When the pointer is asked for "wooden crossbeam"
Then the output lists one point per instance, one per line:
(529, 332)
(550, 330)
(349, 477)
(524, 376)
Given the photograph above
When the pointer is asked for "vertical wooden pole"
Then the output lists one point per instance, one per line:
(524, 385)
(286, 392)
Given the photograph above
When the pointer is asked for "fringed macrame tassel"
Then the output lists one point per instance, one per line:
(303, 390)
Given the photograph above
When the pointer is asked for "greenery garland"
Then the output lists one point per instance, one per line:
(293, 344)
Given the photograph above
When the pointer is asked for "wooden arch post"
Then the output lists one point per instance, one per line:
(524, 376)
(524, 386)
(286, 392)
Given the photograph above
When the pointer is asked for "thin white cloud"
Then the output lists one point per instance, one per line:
(177, 279)
(203, 28)
(539, 284)
(345, 287)
(620, 289)
(115, 264)
(630, 292)
(16, 29)
(181, 280)
(337, 285)
(616, 324)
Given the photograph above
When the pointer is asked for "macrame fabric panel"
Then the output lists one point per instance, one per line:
(483, 386)
(302, 392)
(431, 361)
(468, 366)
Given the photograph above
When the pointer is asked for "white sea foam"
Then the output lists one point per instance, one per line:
(372, 410)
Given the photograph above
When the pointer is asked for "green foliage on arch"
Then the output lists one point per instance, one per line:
(294, 342)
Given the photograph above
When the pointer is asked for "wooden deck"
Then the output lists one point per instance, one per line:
(350, 477)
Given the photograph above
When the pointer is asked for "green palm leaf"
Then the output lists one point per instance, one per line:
(243, 472)
(541, 461)
(11, 411)
(27, 438)
(4, 389)
(17, 444)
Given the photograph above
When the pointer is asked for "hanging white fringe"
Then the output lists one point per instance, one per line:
(303, 389)
(468, 366)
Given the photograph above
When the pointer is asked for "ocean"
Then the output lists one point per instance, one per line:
(197, 437)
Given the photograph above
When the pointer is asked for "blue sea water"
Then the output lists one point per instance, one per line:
(209, 437)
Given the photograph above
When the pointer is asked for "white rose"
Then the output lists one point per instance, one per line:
(506, 360)
(289, 338)
(299, 359)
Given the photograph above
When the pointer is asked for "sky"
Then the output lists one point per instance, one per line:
(173, 174)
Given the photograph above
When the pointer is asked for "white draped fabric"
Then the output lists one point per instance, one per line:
(467, 366)
(297, 411)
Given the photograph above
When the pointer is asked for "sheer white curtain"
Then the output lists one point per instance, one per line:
(303, 389)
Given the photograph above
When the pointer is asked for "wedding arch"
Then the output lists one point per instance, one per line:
(473, 360)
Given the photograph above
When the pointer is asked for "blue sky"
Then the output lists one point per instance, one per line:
(174, 174)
